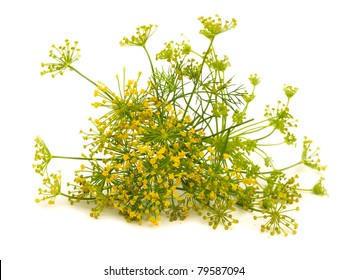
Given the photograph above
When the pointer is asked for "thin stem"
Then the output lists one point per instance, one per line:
(79, 73)
(150, 61)
(253, 130)
(271, 145)
(285, 168)
(245, 127)
(304, 190)
(76, 158)
(196, 84)
(227, 129)
(72, 197)
(266, 136)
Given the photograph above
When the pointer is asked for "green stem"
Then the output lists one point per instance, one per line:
(245, 127)
(150, 61)
(304, 190)
(196, 84)
(271, 145)
(76, 158)
(79, 73)
(250, 131)
(72, 197)
(266, 136)
(290, 166)
(227, 129)
(283, 169)
(251, 208)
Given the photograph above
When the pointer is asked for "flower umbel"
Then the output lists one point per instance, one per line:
(51, 190)
(214, 26)
(290, 91)
(318, 188)
(220, 213)
(277, 220)
(143, 33)
(64, 57)
(42, 156)
(310, 157)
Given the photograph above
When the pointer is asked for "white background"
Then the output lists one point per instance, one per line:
(286, 42)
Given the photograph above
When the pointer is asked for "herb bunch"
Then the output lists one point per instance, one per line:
(182, 143)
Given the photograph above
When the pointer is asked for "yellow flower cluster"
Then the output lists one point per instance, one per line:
(142, 35)
(154, 161)
(214, 26)
(52, 188)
